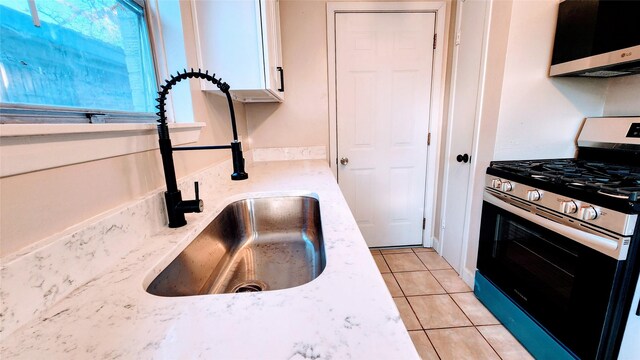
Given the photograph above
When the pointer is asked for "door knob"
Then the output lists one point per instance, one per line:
(344, 161)
(462, 158)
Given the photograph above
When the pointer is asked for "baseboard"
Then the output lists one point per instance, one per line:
(468, 276)
(435, 244)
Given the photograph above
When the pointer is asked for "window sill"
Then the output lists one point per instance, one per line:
(31, 147)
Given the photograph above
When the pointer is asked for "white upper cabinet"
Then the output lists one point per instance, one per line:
(239, 40)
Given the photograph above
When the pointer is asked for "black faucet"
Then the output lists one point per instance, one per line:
(176, 207)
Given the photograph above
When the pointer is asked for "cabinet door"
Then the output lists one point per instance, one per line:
(239, 40)
(274, 75)
(229, 40)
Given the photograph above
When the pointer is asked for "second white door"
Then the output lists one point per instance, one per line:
(383, 90)
(466, 78)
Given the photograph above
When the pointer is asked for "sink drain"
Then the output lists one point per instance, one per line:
(249, 286)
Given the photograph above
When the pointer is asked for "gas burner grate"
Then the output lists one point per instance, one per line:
(591, 176)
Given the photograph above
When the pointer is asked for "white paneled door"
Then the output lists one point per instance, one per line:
(383, 87)
(465, 90)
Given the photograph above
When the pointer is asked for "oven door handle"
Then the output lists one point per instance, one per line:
(598, 243)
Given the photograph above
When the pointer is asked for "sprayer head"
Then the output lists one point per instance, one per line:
(238, 162)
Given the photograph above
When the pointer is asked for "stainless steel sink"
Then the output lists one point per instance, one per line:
(256, 244)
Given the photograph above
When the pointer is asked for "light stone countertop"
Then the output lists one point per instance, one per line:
(345, 313)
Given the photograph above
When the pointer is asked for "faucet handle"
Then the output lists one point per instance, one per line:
(192, 206)
(199, 203)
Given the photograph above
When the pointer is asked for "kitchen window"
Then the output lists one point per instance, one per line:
(75, 61)
(99, 102)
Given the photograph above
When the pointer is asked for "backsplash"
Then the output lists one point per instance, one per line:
(290, 153)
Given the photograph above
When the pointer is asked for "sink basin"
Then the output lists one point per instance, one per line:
(257, 244)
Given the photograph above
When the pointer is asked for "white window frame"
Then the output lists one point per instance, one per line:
(38, 145)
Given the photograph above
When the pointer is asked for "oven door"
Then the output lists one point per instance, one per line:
(562, 284)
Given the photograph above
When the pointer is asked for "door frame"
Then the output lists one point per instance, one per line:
(437, 90)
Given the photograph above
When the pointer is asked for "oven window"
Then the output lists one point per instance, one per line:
(528, 252)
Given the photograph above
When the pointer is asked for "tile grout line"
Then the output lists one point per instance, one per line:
(385, 261)
(439, 283)
(463, 312)
(400, 287)
(405, 271)
(450, 327)
(423, 263)
(488, 342)
(431, 342)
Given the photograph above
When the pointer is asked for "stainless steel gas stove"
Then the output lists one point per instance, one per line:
(558, 254)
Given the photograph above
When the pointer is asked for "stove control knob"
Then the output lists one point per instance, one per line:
(496, 183)
(588, 213)
(533, 195)
(506, 186)
(569, 207)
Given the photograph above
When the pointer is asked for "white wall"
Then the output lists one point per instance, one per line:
(540, 116)
(623, 96)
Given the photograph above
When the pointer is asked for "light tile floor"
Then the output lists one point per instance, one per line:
(443, 317)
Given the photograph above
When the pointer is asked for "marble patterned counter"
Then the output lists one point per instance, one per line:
(346, 313)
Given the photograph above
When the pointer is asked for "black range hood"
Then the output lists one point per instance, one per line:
(597, 38)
